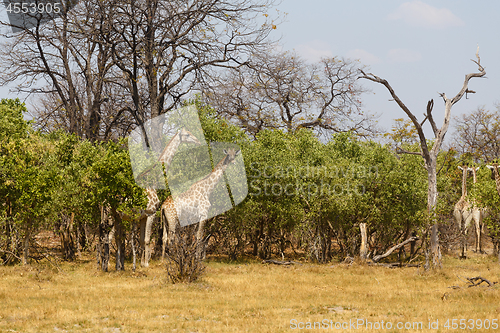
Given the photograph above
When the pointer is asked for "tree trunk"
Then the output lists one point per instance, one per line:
(432, 193)
(159, 241)
(146, 226)
(132, 243)
(119, 240)
(8, 229)
(363, 250)
(104, 230)
(26, 243)
(66, 235)
(81, 238)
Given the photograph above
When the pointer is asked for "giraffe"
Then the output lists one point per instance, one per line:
(147, 216)
(462, 211)
(478, 214)
(195, 201)
(495, 176)
(165, 158)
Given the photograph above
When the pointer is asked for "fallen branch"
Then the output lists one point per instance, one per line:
(394, 248)
(277, 262)
(473, 282)
(12, 255)
(392, 265)
(348, 260)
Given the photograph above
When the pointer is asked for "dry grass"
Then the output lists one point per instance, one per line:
(241, 297)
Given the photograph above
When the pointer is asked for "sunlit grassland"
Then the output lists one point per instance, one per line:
(244, 296)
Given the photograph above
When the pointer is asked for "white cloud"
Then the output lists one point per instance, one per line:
(365, 57)
(419, 14)
(314, 51)
(403, 55)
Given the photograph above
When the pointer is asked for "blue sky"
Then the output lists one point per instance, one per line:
(421, 47)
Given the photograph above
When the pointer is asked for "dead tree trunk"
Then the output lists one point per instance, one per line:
(430, 154)
(363, 251)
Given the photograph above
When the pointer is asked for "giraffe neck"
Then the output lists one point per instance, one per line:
(464, 182)
(497, 178)
(209, 182)
(168, 153)
(153, 201)
(474, 180)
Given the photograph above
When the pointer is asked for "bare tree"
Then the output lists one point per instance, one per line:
(280, 90)
(153, 50)
(429, 154)
(64, 60)
(114, 120)
(164, 47)
(479, 133)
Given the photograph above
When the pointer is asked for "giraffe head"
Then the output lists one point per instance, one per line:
(188, 137)
(493, 167)
(473, 171)
(231, 155)
(466, 170)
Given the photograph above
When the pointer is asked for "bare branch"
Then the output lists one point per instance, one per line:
(430, 106)
(421, 135)
(400, 150)
(464, 89)
(281, 90)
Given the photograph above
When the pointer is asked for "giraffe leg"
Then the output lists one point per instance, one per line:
(467, 219)
(164, 237)
(199, 235)
(459, 216)
(172, 226)
(147, 241)
(142, 234)
(477, 224)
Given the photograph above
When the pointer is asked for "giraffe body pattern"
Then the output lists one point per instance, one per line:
(165, 158)
(478, 214)
(495, 176)
(195, 202)
(147, 216)
(462, 211)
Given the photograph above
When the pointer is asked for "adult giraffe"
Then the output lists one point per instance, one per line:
(194, 202)
(478, 213)
(462, 211)
(147, 216)
(496, 176)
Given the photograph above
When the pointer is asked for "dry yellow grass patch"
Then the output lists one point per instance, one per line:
(243, 297)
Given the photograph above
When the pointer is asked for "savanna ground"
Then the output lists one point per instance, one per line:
(246, 296)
